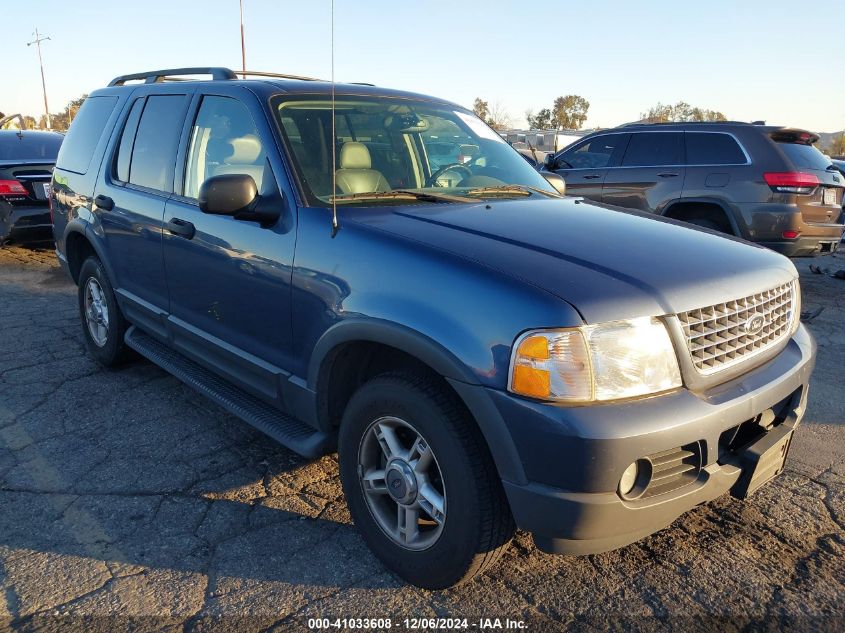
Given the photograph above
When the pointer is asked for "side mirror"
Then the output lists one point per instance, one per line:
(556, 181)
(228, 194)
(549, 161)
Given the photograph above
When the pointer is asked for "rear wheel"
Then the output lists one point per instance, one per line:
(103, 325)
(705, 223)
(420, 483)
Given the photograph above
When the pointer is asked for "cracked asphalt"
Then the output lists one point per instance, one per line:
(127, 501)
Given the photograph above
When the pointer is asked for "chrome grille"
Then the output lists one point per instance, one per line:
(725, 334)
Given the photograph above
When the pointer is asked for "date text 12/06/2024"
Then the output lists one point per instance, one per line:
(423, 624)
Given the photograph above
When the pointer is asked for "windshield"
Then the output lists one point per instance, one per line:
(385, 145)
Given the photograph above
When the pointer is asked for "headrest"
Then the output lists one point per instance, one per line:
(245, 150)
(355, 156)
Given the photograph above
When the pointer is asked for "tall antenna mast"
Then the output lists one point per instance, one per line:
(335, 226)
(243, 44)
(37, 41)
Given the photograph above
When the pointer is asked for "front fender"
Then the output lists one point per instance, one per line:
(442, 361)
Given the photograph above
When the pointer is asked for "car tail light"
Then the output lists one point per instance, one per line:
(12, 188)
(790, 234)
(791, 181)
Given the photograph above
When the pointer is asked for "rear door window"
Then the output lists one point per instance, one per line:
(654, 149)
(154, 152)
(593, 154)
(84, 134)
(709, 148)
(127, 140)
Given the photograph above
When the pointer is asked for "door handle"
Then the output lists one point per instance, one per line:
(181, 228)
(668, 175)
(591, 176)
(104, 202)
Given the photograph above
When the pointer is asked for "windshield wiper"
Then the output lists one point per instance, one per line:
(400, 194)
(520, 190)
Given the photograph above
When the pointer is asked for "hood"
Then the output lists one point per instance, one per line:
(608, 263)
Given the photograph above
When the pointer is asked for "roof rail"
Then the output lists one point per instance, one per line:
(647, 123)
(155, 76)
(258, 73)
(218, 73)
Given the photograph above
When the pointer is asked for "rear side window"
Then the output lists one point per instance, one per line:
(653, 149)
(593, 154)
(707, 148)
(29, 146)
(84, 134)
(805, 156)
(154, 151)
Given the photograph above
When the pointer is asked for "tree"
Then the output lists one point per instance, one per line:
(62, 120)
(837, 145)
(481, 109)
(570, 112)
(493, 115)
(498, 117)
(542, 120)
(681, 111)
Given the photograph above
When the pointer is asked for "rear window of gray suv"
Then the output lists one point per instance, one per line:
(805, 156)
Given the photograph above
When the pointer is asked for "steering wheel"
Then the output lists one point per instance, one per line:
(431, 181)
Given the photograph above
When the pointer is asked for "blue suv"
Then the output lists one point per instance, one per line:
(483, 353)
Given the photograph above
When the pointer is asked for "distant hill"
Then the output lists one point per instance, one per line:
(826, 138)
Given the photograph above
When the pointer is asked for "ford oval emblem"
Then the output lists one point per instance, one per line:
(754, 324)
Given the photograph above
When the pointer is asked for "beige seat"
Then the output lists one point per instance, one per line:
(247, 157)
(356, 174)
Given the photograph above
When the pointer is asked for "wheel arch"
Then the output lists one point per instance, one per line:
(704, 208)
(351, 352)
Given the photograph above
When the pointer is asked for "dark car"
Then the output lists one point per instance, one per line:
(27, 158)
(482, 352)
(766, 184)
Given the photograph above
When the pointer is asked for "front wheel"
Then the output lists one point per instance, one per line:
(103, 325)
(420, 483)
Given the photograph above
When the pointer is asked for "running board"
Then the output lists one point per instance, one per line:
(283, 428)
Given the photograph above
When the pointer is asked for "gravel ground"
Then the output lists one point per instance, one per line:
(129, 501)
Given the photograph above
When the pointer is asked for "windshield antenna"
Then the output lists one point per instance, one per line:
(335, 225)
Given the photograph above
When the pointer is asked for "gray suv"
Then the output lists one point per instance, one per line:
(765, 184)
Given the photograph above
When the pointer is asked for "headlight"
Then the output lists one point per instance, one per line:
(620, 359)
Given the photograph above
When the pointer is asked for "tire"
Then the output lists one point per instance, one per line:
(705, 223)
(105, 343)
(476, 523)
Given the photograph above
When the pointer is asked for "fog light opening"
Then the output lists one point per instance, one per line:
(635, 479)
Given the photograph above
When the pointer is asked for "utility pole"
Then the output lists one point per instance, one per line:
(243, 45)
(37, 41)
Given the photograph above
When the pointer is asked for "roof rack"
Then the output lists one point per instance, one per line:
(157, 76)
(646, 123)
(257, 73)
(218, 73)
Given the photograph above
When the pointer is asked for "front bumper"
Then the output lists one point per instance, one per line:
(574, 456)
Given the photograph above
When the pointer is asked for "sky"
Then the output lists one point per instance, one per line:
(752, 60)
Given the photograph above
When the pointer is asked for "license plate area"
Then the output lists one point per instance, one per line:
(762, 460)
(829, 196)
(41, 190)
